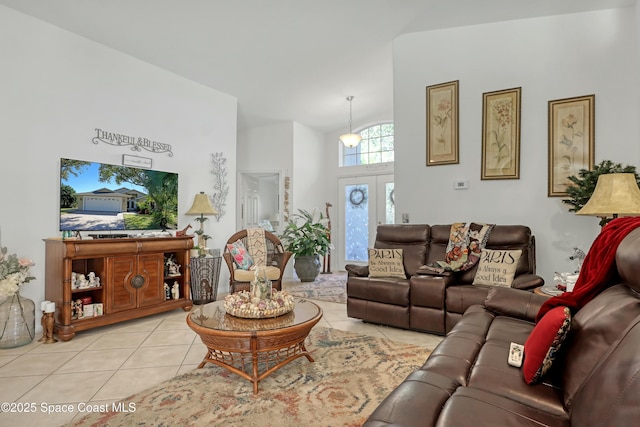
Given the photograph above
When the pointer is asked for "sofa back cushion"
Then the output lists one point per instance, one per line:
(502, 237)
(411, 238)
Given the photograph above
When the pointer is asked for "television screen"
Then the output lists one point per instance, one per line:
(103, 197)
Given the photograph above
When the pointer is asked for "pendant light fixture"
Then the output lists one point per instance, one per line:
(350, 139)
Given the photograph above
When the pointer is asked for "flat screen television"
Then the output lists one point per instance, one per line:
(106, 198)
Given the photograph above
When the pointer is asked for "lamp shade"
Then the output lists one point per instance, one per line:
(350, 139)
(202, 206)
(615, 194)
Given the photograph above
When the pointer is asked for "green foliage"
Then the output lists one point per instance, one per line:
(68, 197)
(309, 238)
(585, 183)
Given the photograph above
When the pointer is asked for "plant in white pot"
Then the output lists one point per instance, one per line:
(307, 241)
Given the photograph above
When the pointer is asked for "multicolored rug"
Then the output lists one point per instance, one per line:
(330, 287)
(351, 375)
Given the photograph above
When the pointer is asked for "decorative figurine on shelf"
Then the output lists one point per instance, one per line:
(173, 268)
(92, 279)
(167, 292)
(183, 232)
(82, 281)
(74, 280)
(78, 311)
(175, 291)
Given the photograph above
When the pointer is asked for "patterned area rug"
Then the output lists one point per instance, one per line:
(330, 287)
(351, 375)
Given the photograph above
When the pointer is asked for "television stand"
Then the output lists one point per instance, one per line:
(109, 236)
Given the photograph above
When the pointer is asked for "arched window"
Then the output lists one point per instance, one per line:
(376, 147)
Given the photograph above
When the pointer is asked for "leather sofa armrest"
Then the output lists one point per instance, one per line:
(514, 303)
(527, 282)
(357, 270)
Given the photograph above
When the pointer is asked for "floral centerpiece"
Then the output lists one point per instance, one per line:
(14, 272)
(17, 314)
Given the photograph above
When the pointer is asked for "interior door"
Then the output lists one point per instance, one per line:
(365, 202)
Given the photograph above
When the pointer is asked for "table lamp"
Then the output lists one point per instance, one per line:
(202, 206)
(616, 194)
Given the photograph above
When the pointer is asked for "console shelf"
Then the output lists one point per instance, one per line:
(132, 274)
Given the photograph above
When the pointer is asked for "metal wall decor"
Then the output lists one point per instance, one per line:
(220, 184)
(137, 144)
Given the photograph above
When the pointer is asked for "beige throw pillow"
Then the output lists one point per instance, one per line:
(497, 267)
(386, 263)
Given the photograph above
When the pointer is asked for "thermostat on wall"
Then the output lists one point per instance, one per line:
(460, 185)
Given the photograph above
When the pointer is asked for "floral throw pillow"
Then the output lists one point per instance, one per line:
(240, 255)
(544, 342)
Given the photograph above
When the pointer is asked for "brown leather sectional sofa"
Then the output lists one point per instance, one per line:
(594, 382)
(425, 302)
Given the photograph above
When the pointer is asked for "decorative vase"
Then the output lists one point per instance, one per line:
(17, 321)
(307, 267)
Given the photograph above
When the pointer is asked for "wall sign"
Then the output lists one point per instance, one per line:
(136, 161)
(137, 144)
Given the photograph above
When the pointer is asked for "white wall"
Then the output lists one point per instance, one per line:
(56, 89)
(550, 58)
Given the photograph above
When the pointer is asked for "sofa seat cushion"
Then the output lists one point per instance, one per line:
(473, 407)
(385, 290)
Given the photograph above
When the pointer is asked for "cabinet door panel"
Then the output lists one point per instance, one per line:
(120, 294)
(151, 267)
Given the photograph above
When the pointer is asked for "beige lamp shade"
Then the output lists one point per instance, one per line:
(350, 139)
(202, 206)
(616, 194)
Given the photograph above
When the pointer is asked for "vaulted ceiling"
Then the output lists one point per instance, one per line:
(285, 60)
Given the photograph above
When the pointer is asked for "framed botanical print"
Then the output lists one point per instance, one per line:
(571, 140)
(501, 134)
(442, 124)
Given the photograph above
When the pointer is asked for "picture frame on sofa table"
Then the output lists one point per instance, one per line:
(571, 140)
(501, 134)
(442, 124)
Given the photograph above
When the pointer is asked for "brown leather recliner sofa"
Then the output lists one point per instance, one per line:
(425, 302)
(594, 381)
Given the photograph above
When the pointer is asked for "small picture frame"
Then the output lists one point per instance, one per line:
(501, 134)
(571, 140)
(442, 124)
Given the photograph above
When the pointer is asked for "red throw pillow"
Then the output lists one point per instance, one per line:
(545, 340)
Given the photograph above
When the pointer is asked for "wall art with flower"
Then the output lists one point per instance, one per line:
(442, 124)
(571, 140)
(501, 134)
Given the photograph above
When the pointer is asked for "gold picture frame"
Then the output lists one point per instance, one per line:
(501, 134)
(442, 124)
(571, 140)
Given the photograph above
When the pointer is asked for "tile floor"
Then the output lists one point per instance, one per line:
(108, 364)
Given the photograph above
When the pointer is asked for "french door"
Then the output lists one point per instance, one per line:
(364, 203)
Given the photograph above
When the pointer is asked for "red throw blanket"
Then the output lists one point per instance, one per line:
(599, 268)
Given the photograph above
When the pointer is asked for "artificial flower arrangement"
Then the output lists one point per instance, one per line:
(14, 272)
(309, 238)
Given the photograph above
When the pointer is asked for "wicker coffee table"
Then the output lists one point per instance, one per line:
(253, 348)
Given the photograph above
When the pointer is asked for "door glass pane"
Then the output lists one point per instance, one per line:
(390, 203)
(356, 222)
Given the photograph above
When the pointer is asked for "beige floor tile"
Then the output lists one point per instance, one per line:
(14, 387)
(169, 337)
(125, 382)
(35, 364)
(186, 368)
(70, 387)
(22, 349)
(150, 357)
(40, 418)
(196, 353)
(78, 343)
(97, 360)
(119, 340)
(174, 323)
(137, 325)
(4, 359)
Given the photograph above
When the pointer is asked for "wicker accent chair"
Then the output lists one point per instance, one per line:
(277, 259)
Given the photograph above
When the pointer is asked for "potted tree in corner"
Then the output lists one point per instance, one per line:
(308, 241)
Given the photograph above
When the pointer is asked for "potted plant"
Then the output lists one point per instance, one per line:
(307, 241)
(584, 184)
